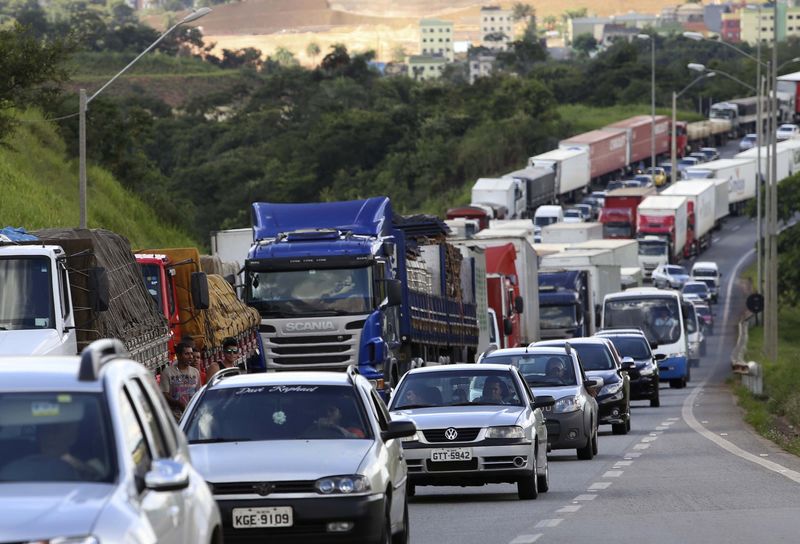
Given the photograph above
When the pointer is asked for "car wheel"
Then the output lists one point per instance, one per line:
(675, 384)
(528, 486)
(386, 532)
(402, 536)
(655, 402)
(619, 428)
(594, 442)
(628, 423)
(544, 479)
(411, 490)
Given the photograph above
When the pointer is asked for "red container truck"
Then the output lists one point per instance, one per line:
(639, 130)
(608, 151)
(618, 215)
(503, 293)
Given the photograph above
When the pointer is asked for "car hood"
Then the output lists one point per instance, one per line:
(683, 278)
(277, 460)
(557, 392)
(39, 511)
(462, 416)
(30, 342)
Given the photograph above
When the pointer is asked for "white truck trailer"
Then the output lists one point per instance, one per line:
(701, 195)
(510, 193)
(571, 233)
(572, 169)
(740, 173)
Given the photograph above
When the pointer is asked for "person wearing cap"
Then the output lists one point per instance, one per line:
(230, 353)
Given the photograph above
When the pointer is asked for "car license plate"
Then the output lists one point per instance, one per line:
(256, 518)
(455, 454)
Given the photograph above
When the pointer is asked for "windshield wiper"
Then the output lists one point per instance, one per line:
(218, 440)
(411, 406)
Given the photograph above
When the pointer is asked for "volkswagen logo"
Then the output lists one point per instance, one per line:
(451, 434)
(264, 488)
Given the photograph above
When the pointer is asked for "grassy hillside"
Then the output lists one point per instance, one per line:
(39, 181)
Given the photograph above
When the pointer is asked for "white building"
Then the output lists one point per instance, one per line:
(436, 38)
(496, 22)
(481, 66)
(426, 67)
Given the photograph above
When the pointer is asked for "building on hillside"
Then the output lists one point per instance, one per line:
(586, 25)
(669, 14)
(481, 65)
(426, 67)
(144, 4)
(436, 38)
(689, 13)
(613, 32)
(636, 20)
(788, 23)
(699, 27)
(730, 28)
(497, 25)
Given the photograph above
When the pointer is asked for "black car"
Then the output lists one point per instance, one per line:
(600, 359)
(644, 378)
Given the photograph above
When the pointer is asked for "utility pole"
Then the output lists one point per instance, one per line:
(772, 307)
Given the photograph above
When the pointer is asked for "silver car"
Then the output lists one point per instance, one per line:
(302, 456)
(667, 276)
(556, 371)
(90, 453)
(477, 424)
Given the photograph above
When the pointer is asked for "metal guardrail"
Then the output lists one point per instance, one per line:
(750, 371)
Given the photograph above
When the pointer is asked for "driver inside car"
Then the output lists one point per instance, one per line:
(333, 420)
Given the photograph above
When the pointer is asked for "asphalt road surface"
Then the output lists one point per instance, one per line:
(689, 471)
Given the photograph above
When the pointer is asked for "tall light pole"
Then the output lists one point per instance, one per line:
(675, 97)
(771, 306)
(652, 96)
(84, 106)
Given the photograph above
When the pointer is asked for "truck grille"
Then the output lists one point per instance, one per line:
(299, 350)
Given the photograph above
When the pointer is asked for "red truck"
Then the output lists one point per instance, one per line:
(607, 149)
(503, 293)
(482, 213)
(618, 215)
(639, 130)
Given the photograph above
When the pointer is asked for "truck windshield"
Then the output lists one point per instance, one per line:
(657, 317)
(26, 300)
(721, 114)
(312, 292)
(652, 250)
(616, 230)
(556, 317)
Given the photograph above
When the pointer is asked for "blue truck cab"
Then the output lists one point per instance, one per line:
(340, 283)
(564, 304)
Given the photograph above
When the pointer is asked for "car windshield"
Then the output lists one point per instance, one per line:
(26, 294)
(55, 437)
(631, 346)
(556, 317)
(277, 412)
(457, 388)
(297, 293)
(657, 316)
(539, 369)
(698, 288)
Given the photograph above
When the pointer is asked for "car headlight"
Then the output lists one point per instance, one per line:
(610, 389)
(69, 540)
(510, 431)
(342, 485)
(416, 437)
(568, 404)
(646, 370)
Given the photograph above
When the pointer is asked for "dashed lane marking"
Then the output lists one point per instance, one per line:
(569, 509)
(623, 464)
(549, 523)
(633, 454)
(613, 474)
(526, 539)
(641, 446)
(585, 497)
(599, 485)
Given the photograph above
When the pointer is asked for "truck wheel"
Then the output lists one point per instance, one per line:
(655, 402)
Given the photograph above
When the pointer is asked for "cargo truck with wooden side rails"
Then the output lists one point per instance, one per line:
(62, 289)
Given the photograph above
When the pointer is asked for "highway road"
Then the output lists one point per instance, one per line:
(689, 471)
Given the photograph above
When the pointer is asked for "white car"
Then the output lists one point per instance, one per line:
(300, 453)
(787, 132)
(707, 272)
(748, 142)
(477, 424)
(90, 453)
(669, 276)
(573, 215)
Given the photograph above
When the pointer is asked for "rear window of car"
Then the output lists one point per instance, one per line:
(55, 437)
(704, 272)
(278, 412)
(631, 346)
(695, 288)
(541, 369)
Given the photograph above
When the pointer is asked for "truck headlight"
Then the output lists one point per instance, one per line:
(510, 431)
(568, 404)
(342, 485)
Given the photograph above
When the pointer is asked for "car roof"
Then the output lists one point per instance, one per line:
(690, 283)
(621, 332)
(571, 341)
(45, 373)
(705, 264)
(461, 366)
(544, 350)
(283, 378)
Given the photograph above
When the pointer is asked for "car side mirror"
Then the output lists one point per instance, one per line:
(519, 304)
(660, 356)
(628, 363)
(399, 429)
(543, 401)
(99, 297)
(394, 292)
(199, 287)
(594, 383)
(167, 475)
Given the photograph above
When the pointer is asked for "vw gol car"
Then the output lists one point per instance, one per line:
(644, 378)
(477, 424)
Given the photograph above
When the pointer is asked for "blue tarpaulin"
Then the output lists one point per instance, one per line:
(16, 234)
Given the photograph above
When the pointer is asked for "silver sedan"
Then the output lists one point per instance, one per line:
(476, 425)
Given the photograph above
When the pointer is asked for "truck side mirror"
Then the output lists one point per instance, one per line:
(230, 278)
(508, 326)
(394, 292)
(200, 299)
(98, 289)
(519, 304)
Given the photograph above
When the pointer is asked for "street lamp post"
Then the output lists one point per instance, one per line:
(652, 96)
(675, 96)
(84, 106)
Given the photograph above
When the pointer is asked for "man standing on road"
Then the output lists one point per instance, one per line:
(230, 353)
(181, 381)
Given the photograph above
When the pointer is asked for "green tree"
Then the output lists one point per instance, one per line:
(284, 57)
(520, 11)
(399, 54)
(584, 43)
(313, 51)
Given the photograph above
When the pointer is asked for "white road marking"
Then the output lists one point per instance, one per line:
(548, 523)
(586, 497)
(647, 439)
(613, 474)
(715, 239)
(688, 414)
(641, 446)
(763, 455)
(673, 419)
(623, 464)
(704, 421)
(526, 539)
(737, 227)
(723, 434)
(662, 428)
(599, 485)
(633, 454)
(656, 434)
(569, 509)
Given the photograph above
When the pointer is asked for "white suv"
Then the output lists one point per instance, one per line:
(708, 273)
(307, 455)
(90, 453)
